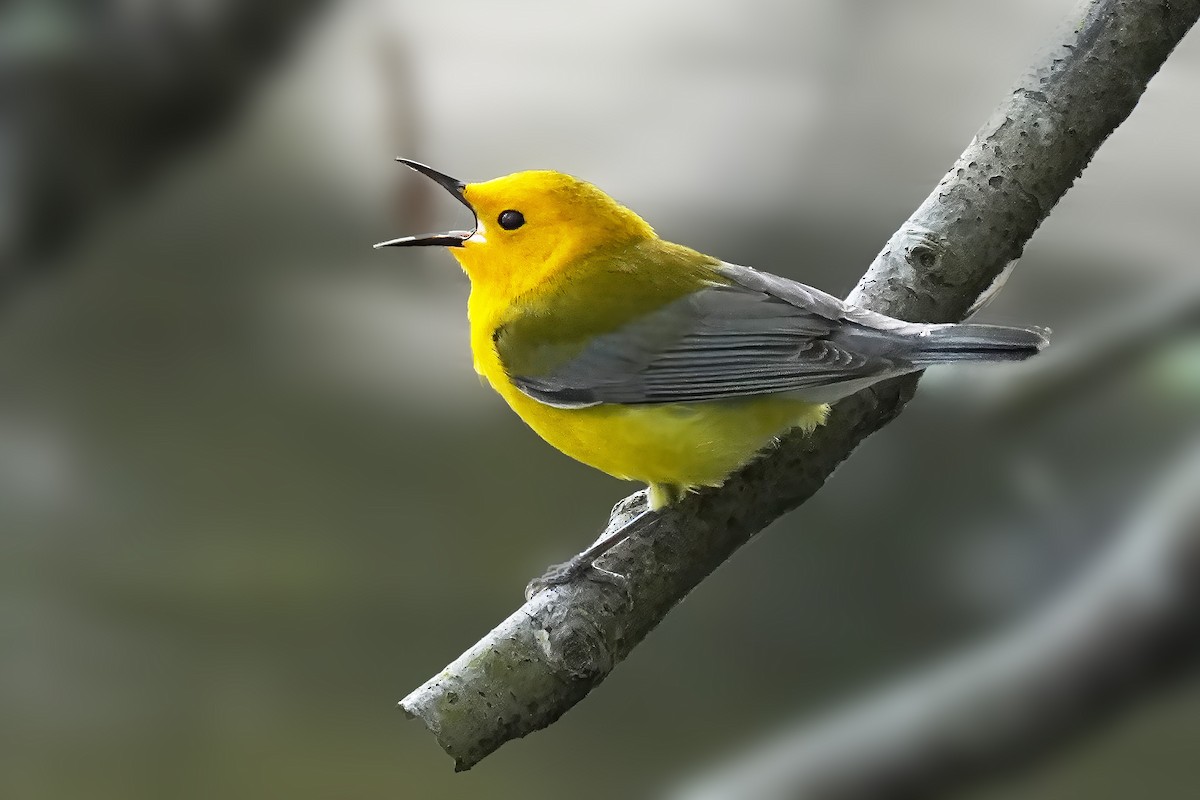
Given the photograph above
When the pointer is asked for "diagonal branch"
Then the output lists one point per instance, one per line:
(552, 651)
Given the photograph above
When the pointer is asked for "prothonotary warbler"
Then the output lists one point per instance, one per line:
(651, 361)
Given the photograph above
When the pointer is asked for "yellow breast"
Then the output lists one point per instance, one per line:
(672, 447)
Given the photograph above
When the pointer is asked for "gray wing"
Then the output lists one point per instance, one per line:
(762, 334)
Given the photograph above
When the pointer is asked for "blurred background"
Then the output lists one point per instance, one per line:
(252, 493)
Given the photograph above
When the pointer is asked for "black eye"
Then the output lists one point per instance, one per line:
(511, 220)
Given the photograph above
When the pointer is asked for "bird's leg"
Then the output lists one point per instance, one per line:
(584, 563)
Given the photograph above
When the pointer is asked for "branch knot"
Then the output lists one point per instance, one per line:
(571, 641)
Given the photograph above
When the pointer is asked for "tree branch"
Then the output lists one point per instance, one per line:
(552, 651)
(1132, 617)
(105, 93)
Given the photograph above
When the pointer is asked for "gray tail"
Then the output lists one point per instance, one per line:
(943, 344)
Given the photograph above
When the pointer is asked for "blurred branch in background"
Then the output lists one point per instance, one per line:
(1066, 371)
(1131, 621)
(551, 652)
(95, 96)
(411, 200)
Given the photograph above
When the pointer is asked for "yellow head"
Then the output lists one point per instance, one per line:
(529, 226)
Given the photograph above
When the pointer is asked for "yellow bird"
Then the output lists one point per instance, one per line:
(651, 361)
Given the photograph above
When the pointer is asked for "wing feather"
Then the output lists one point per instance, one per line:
(760, 334)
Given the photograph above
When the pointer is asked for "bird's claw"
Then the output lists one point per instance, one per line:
(571, 571)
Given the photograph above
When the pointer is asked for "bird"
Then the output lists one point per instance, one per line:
(651, 361)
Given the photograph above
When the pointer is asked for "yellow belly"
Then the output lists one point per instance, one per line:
(672, 448)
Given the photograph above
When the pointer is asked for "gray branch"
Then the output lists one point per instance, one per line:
(94, 97)
(556, 648)
(1131, 618)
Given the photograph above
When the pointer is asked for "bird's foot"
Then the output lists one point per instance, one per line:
(571, 571)
(627, 519)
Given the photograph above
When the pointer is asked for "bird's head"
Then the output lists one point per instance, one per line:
(528, 225)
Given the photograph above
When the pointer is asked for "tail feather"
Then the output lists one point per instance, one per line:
(942, 344)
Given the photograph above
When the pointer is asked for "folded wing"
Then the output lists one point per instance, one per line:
(759, 334)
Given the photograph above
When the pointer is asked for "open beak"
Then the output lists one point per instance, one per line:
(448, 239)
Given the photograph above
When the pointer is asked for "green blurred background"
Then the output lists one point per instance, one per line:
(252, 493)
